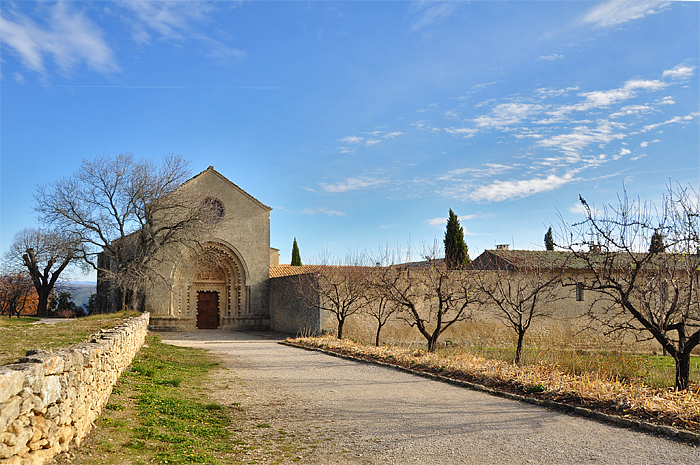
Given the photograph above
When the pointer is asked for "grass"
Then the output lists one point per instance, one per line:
(161, 412)
(19, 334)
(656, 371)
(609, 382)
(158, 413)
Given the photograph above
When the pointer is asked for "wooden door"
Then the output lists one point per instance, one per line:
(207, 310)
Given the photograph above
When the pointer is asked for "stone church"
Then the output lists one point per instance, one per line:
(233, 294)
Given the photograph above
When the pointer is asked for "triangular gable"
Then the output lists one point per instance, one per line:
(225, 179)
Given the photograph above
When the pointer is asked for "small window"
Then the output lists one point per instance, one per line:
(214, 209)
(579, 292)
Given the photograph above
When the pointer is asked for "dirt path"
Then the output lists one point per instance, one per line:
(338, 411)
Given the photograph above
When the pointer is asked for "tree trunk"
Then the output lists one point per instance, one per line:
(519, 348)
(682, 371)
(376, 340)
(340, 328)
(432, 342)
(42, 305)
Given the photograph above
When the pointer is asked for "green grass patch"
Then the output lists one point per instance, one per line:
(19, 334)
(157, 414)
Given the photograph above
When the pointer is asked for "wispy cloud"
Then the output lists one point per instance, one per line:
(352, 139)
(431, 13)
(68, 37)
(616, 12)
(646, 144)
(581, 137)
(553, 57)
(605, 98)
(507, 114)
(485, 170)
(176, 21)
(675, 120)
(679, 72)
(322, 210)
(499, 191)
(441, 221)
(352, 184)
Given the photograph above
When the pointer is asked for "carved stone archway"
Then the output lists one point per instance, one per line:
(216, 268)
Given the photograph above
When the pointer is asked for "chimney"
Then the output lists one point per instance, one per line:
(503, 247)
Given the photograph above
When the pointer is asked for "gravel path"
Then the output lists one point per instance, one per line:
(360, 413)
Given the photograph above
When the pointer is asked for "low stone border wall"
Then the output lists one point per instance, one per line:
(49, 400)
(669, 431)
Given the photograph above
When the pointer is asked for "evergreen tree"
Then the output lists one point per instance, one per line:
(296, 258)
(456, 251)
(549, 239)
(657, 243)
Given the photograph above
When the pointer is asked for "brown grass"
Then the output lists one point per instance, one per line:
(590, 389)
(17, 335)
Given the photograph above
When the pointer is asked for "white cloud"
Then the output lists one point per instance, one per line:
(464, 132)
(323, 210)
(580, 209)
(171, 20)
(646, 144)
(441, 221)
(507, 114)
(624, 152)
(675, 120)
(638, 157)
(581, 137)
(348, 150)
(505, 190)
(176, 21)
(616, 12)
(18, 77)
(487, 169)
(70, 38)
(632, 110)
(667, 101)
(393, 135)
(351, 139)
(370, 143)
(432, 13)
(351, 184)
(606, 98)
(548, 92)
(553, 57)
(679, 72)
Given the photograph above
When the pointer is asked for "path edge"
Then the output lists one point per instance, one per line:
(668, 431)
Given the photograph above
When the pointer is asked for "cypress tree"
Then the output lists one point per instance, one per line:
(549, 239)
(656, 244)
(456, 250)
(296, 258)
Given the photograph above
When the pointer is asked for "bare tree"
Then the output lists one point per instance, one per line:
(340, 289)
(644, 290)
(129, 216)
(381, 306)
(16, 294)
(45, 254)
(432, 297)
(522, 288)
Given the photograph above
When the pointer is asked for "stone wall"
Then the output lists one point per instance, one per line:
(49, 400)
(292, 310)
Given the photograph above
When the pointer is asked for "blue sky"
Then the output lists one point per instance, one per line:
(361, 123)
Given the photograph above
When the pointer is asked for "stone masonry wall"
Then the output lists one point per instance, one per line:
(49, 400)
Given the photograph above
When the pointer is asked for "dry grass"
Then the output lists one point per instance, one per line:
(17, 335)
(544, 379)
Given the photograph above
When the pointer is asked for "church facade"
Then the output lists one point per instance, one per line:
(231, 291)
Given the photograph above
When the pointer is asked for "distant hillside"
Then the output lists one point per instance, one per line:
(80, 292)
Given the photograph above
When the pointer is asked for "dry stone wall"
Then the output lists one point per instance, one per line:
(49, 400)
